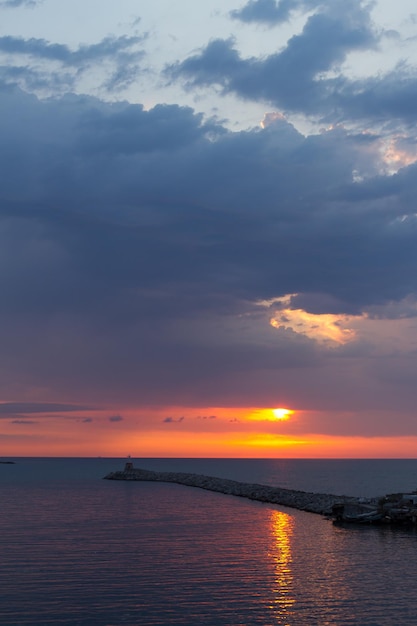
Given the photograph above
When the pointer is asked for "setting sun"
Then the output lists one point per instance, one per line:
(282, 414)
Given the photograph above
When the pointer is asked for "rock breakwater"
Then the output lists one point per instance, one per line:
(302, 500)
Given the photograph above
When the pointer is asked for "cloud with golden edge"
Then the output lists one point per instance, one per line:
(325, 328)
(271, 118)
(397, 153)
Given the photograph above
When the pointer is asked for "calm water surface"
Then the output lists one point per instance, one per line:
(79, 550)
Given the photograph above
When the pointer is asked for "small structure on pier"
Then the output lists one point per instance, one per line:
(395, 509)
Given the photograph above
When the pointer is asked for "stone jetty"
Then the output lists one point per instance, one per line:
(321, 503)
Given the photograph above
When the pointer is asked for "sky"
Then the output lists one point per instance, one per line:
(208, 212)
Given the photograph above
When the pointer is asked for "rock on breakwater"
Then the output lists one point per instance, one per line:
(302, 500)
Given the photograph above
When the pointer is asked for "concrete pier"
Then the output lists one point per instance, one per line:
(302, 500)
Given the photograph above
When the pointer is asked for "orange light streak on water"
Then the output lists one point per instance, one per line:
(282, 526)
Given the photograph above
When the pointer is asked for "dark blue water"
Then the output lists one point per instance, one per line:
(76, 549)
(355, 477)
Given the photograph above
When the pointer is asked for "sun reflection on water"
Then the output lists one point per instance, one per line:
(282, 526)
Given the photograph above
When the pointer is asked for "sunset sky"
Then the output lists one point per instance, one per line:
(208, 211)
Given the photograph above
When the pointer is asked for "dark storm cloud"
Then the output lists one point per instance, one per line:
(305, 75)
(272, 11)
(205, 207)
(100, 206)
(128, 129)
(134, 244)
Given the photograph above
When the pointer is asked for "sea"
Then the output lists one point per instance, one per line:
(79, 550)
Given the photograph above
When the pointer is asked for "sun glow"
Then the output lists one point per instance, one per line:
(282, 414)
(269, 415)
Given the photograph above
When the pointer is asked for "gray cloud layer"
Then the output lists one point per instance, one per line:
(135, 243)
